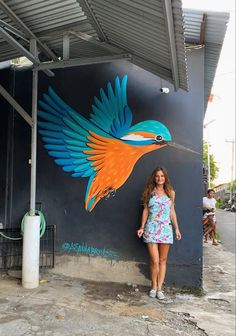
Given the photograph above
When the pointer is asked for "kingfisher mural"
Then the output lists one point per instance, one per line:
(104, 147)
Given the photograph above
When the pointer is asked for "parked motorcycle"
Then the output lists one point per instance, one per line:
(233, 208)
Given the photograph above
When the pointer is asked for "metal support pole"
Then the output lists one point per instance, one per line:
(15, 105)
(34, 143)
(167, 6)
(66, 47)
(232, 170)
(31, 238)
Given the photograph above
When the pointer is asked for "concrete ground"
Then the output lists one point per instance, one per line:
(63, 306)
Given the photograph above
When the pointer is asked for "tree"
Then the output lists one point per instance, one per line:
(232, 188)
(214, 169)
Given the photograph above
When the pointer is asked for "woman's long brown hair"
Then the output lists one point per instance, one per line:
(151, 184)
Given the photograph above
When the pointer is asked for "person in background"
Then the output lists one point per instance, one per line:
(156, 226)
(209, 219)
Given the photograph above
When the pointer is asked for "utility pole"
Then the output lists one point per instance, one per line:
(208, 156)
(232, 167)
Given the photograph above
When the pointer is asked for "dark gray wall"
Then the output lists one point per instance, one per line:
(113, 223)
(7, 118)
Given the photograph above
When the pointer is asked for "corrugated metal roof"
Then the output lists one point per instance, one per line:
(141, 29)
(151, 31)
(49, 20)
(214, 33)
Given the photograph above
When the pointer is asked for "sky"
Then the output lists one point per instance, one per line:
(220, 115)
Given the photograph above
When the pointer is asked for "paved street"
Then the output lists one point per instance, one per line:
(226, 222)
(64, 306)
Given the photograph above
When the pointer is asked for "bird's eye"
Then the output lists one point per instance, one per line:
(159, 138)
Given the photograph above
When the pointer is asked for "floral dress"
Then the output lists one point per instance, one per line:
(158, 228)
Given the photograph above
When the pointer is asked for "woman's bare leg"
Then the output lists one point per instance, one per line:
(205, 229)
(154, 263)
(214, 241)
(213, 231)
(163, 253)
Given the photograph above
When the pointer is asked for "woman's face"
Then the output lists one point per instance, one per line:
(160, 178)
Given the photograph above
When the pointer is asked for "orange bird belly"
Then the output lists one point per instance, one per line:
(113, 161)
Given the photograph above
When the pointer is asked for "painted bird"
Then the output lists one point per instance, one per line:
(104, 147)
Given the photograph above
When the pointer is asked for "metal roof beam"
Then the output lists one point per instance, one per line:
(171, 37)
(16, 106)
(94, 41)
(16, 45)
(202, 29)
(81, 61)
(13, 30)
(7, 37)
(66, 47)
(96, 24)
(26, 30)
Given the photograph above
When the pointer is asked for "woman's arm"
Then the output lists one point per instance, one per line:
(143, 221)
(173, 217)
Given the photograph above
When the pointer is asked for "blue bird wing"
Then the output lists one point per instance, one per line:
(111, 112)
(65, 135)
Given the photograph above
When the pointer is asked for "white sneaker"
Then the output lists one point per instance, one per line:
(153, 293)
(160, 295)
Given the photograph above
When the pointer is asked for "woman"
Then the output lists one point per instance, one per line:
(209, 219)
(156, 229)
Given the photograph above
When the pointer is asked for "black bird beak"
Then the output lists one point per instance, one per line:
(183, 148)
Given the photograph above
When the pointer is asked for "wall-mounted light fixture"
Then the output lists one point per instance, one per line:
(165, 90)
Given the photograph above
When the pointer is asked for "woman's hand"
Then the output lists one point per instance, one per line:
(178, 234)
(140, 232)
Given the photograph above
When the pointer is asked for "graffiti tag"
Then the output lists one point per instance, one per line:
(89, 250)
